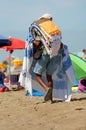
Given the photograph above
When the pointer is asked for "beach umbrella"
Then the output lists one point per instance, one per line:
(79, 66)
(4, 41)
(17, 44)
(17, 62)
(3, 66)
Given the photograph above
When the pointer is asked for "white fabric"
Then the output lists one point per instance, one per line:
(25, 77)
(64, 76)
(48, 16)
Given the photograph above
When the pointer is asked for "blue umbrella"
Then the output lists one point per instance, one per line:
(4, 41)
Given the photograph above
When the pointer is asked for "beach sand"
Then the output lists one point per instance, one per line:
(21, 112)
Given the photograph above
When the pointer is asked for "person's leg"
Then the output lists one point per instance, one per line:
(50, 84)
(50, 81)
(48, 88)
(39, 67)
(41, 82)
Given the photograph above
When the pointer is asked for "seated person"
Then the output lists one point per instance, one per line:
(2, 77)
(7, 82)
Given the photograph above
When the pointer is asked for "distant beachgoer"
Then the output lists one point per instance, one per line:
(2, 77)
(2, 85)
(7, 82)
(84, 54)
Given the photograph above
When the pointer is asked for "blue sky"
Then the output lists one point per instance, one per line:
(70, 16)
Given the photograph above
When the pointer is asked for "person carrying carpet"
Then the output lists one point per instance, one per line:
(48, 59)
(43, 61)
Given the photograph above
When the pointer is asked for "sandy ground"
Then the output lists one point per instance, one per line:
(20, 112)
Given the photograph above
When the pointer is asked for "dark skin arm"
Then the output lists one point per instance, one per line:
(61, 46)
(37, 43)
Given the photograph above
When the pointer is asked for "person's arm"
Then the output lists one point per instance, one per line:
(61, 46)
(37, 43)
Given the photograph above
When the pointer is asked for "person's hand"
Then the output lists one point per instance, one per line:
(36, 42)
(61, 46)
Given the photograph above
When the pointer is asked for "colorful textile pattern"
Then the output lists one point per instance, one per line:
(48, 27)
(25, 77)
(51, 43)
(64, 76)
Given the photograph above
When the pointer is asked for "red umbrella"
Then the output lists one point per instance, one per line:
(16, 44)
(4, 41)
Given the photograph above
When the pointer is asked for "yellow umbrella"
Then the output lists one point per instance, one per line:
(17, 62)
(3, 66)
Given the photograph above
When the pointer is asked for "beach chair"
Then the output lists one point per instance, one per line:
(14, 79)
(14, 82)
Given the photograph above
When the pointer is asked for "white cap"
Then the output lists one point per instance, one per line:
(48, 16)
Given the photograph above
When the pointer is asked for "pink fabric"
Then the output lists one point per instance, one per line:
(82, 85)
(7, 84)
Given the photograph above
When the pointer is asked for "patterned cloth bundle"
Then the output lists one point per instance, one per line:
(48, 33)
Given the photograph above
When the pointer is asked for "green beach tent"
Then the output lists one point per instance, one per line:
(79, 66)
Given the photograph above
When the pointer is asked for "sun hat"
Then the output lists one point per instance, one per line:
(47, 16)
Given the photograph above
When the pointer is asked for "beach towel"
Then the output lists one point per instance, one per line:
(25, 77)
(64, 76)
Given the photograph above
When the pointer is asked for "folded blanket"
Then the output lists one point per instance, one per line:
(51, 43)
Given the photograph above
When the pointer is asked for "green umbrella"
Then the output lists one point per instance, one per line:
(79, 66)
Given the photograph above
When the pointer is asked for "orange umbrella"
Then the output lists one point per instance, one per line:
(17, 62)
(3, 66)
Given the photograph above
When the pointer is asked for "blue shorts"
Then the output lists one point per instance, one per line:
(44, 64)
